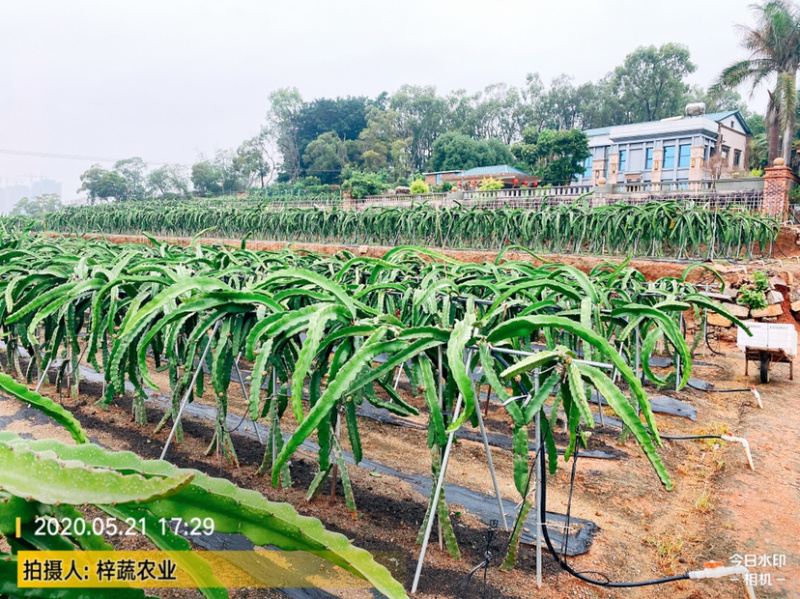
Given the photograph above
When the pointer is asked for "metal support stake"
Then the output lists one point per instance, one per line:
(442, 407)
(271, 424)
(435, 501)
(72, 370)
(678, 359)
(334, 470)
(397, 378)
(639, 375)
(491, 470)
(538, 479)
(705, 330)
(189, 390)
(44, 374)
(244, 394)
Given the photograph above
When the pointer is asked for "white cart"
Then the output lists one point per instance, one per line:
(770, 344)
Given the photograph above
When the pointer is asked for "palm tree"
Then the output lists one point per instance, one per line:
(774, 46)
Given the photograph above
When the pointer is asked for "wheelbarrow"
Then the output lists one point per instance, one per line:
(770, 344)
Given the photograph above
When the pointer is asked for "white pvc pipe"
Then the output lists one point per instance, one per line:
(744, 444)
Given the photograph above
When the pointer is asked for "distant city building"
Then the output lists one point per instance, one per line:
(672, 149)
(14, 193)
(45, 186)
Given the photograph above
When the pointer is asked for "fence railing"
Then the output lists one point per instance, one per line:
(745, 192)
(407, 197)
(719, 185)
(528, 192)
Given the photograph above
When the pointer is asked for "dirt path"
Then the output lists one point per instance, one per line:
(718, 508)
(758, 511)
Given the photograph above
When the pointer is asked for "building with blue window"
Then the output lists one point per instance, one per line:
(673, 149)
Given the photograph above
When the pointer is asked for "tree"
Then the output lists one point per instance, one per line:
(133, 171)
(382, 144)
(325, 157)
(774, 46)
(360, 184)
(37, 206)
(719, 101)
(454, 151)
(206, 178)
(600, 104)
(555, 156)
(650, 82)
(102, 184)
(346, 117)
(282, 128)
(168, 181)
(250, 161)
(499, 113)
(560, 106)
(230, 178)
(422, 116)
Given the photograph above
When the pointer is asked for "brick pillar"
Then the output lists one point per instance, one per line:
(778, 182)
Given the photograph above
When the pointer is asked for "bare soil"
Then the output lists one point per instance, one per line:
(718, 508)
(785, 254)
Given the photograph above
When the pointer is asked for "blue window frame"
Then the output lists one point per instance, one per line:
(587, 167)
(623, 160)
(683, 155)
(648, 159)
(669, 156)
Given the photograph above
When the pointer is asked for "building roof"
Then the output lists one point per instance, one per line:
(441, 172)
(497, 169)
(673, 125)
(720, 116)
(597, 131)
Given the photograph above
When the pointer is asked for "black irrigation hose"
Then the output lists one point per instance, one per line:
(708, 344)
(579, 575)
(543, 519)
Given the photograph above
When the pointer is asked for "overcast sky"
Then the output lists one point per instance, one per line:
(170, 79)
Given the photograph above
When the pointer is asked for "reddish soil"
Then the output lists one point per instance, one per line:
(719, 508)
(786, 254)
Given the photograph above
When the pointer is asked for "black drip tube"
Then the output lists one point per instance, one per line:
(543, 519)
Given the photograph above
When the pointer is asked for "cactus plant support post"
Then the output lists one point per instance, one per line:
(436, 493)
(334, 470)
(44, 375)
(538, 482)
(397, 378)
(444, 409)
(189, 391)
(244, 394)
(638, 355)
(491, 469)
